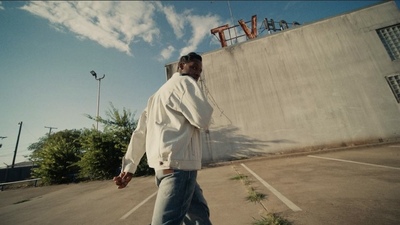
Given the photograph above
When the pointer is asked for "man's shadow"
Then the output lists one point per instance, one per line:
(226, 144)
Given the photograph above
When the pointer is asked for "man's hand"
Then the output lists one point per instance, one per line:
(123, 179)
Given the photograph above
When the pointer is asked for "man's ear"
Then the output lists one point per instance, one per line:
(180, 66)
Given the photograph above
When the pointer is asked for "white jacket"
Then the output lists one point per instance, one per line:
(169, 128)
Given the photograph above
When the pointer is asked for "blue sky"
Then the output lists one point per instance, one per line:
(47, 50)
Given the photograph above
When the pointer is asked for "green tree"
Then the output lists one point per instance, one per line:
(56, 157)
(88, 153)
(101, 157)
(118, 128)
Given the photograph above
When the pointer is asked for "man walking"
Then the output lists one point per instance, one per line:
(169, 132)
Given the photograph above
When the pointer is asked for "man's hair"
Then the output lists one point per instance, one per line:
(189, 57)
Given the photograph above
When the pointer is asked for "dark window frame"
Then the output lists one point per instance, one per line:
(390, 37)
(394, 83)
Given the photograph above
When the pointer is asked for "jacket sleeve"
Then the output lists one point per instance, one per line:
(194, 105)
(137, 146)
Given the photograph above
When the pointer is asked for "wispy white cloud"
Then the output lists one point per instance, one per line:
(111, 24)
(1, 6)
(174, 20)
(201, 26)
(166, 53)
(119, 24)
(198, 26)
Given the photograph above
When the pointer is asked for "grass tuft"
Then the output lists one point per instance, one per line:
(255, 197)
(272, 219)
(239, 177)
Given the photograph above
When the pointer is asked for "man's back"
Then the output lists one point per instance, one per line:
(175, 113)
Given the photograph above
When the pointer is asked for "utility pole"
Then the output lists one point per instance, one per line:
(98, 97)
(16, 145)
(50, 128)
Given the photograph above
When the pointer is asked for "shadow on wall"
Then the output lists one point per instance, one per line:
(226, 143)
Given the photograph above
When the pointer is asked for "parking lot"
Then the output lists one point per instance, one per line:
(348, 186)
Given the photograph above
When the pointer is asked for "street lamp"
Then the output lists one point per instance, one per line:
(98, 96)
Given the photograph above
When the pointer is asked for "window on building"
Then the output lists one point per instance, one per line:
(394, 83)
(390, 37)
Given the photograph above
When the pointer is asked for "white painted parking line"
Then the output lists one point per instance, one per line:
(138, 206)
(349, 161)
(281, 197)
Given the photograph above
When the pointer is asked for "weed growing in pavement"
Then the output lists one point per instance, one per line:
(242, 178)
(239, 177)
(257, 197)
(272, 219)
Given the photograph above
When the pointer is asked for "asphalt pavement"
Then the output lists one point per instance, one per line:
(343, 186)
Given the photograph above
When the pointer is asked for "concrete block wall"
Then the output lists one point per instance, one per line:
(316, 86)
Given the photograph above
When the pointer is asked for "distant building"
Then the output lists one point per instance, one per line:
(21, 171)
(332, 83)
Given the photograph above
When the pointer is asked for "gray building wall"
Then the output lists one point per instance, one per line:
(316, 86)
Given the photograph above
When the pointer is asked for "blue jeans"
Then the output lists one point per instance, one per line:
(180, 200)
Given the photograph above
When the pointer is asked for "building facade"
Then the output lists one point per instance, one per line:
(332, 83)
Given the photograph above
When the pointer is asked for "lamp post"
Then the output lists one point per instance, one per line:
(98, 96)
